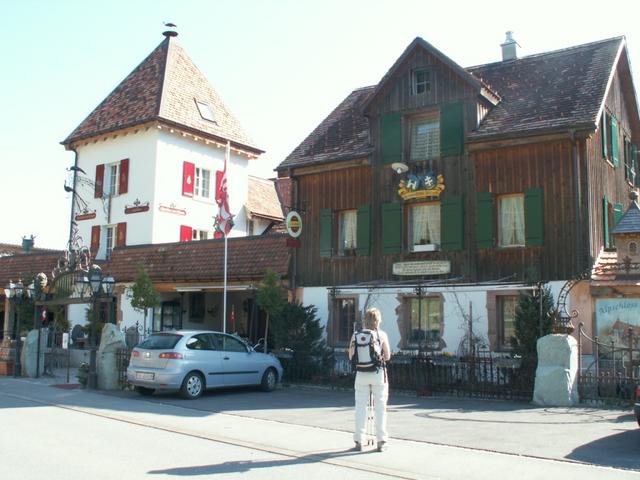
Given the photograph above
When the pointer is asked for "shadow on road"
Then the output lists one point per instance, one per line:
(620, 450)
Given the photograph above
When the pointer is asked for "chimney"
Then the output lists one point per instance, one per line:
(509, 48)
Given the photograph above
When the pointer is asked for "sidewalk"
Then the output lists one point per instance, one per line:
(482, 428)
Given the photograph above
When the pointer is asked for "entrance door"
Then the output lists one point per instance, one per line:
(166, 317)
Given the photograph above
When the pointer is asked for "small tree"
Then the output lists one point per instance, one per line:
(271, 298)
(531, 323)
(144, 294)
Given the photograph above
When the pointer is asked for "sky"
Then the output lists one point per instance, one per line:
(281, 67)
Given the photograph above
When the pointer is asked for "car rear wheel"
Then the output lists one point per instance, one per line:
(144, 391)
(192, 386)
(269, 380)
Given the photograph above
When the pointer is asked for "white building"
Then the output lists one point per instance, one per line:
(147, 157)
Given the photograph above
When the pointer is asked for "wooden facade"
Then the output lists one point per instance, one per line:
(561, 167)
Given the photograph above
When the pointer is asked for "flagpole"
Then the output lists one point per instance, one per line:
(227, 154)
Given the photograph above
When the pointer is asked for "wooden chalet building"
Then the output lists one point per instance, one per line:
(442, 192)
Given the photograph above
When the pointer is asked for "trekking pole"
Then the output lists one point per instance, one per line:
(370, 429)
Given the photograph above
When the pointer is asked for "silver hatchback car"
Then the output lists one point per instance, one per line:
(193, 360)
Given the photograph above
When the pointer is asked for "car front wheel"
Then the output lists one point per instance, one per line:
(192, 386)
(269, 380)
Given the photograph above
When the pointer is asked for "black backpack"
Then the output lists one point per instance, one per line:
(368, 351)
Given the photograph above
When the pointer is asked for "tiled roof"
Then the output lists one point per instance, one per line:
(605, 266)
(25, 266)
(343, 135)
(202, 261)
(553, 90)
(164, 87)
(630, 221)
(11, 249)
(262, 200)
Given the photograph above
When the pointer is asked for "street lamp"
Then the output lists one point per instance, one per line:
(98, 285)
(16, 293)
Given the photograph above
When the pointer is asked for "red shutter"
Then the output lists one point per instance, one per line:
(185, 233)
(121, 239)
(95, 240)
(99, 180)
(124, 176)
(188, 178)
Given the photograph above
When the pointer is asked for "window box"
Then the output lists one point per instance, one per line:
(427, 247)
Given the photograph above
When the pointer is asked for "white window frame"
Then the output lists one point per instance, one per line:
(347, 233)
(110, 235)
(424, 138)
(199, 234)
(419, 87)
(112, 179)
(202, 183)
(205, 111)
(432, 236)
(511, 234)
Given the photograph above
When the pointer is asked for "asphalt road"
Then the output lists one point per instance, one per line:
(52, 432)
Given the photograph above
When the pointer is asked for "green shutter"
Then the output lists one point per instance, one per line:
(391, 228)
(618, 213)
(534, 216)
(484, 219)
(326, 234)
(363, 232)
(615, 157)
(605, 221)
(603, 123)
(451, 129)
(452, 218)
(634, 155)
(391, 138)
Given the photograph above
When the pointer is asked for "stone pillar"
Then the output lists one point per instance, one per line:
(29, 354)
(557, 373)
(111, 340)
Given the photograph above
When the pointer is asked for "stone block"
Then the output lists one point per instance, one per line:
(111, 340)
(556, 381)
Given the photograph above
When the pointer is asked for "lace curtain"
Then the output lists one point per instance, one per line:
(511, 221)
(348, 225)
(426, 224)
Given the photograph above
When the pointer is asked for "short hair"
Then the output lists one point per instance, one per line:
(372, 318)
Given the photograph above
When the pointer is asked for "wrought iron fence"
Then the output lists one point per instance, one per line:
(486, 376)
(611, 371)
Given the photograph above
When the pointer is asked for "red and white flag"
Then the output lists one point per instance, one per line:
(224, 219)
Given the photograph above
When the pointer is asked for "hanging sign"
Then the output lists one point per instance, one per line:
(293, 222)
(421, 186)
(436, 267)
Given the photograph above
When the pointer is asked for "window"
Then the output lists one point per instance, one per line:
(421, 82)
(507, 305)
(110, 234)
(251, 227)
(425, 138)
(201, 341)
(424, 227)
(629, 167)
(196, 307)
(633, 248)
(202, 182)
(425, 323)
(348, 221)
(344, 320)
(112, 179)
(205, 111)
(511, 220)
(199, 234)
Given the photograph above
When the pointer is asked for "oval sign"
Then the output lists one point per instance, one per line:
(293, 223)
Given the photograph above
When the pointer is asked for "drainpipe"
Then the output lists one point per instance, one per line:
(578, 200)
(73, 195)
(294, 187)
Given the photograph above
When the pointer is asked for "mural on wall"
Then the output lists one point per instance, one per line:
(614, 318)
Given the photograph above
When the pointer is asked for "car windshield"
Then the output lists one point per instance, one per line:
(160, 341)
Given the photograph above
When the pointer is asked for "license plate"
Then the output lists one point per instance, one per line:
(144, 376)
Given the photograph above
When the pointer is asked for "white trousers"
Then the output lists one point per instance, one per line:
(374, 382)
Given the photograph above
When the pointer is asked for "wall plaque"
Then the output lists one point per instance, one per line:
(435, 267)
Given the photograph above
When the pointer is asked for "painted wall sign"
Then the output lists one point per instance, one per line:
(614, 317)
(421, 186)
(172, 209)
(293, 223)
(435, 267)
(86, 216)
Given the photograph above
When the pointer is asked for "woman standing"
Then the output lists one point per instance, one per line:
(372, 381)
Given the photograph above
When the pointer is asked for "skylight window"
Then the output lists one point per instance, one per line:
(205, 111)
